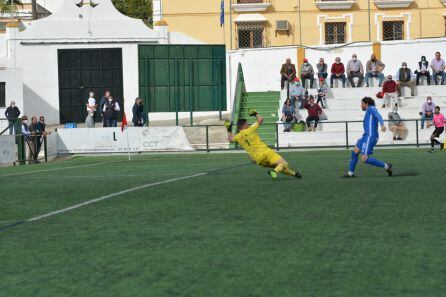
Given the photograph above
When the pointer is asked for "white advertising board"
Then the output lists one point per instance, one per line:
(8, 149)
(112, 140)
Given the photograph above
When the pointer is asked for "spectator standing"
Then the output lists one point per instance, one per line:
(322, 69)
(296, 93)
(337, 72)
(145, 118)
(438, 68)
(374, 68)
(423, 70)
(27, 135)
(396, 124)
(41, 133)
(439, 129)
(12, 113)
(91, 109)
(137, 112)
(322, 93)
(390, 92)
(314, 112)
(307, 72)
(427, 112)
(33, 140)
(110, 110)
(404, 78)
(287, 73)
(355, 69)
(104, 100)
(288, 115)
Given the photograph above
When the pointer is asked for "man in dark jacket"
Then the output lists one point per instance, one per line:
(41, 134)
(101, 106)
(12, 113)
(110, 110)
(137, 113)
(287, 73)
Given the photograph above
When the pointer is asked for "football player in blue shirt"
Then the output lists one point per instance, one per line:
(369, 139)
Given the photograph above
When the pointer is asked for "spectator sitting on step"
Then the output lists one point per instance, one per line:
(427, 112)
(423, 70)
(288, 115)
(322, 69)
(110, 110)
(314, 112)
(374, 68)
(337, 72)
(12, 113)
(396, 124)
(307, 72)
(390, 92)
(438, 68)
(404, 78)
(296, 93)
(322, 93)
(287, 73)
(355, 69)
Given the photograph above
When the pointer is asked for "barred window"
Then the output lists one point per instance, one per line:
(335, 32)
(393, 30)
(2, 95)
(251, 35)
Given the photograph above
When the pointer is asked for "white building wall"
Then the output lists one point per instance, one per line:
(13, 88)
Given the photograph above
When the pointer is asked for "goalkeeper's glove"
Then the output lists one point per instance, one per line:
(253, 112)
(228, 126)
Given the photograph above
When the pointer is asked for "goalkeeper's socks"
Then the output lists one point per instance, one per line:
(289, 172)
(281, 167)
(353, 162)
(375, 162)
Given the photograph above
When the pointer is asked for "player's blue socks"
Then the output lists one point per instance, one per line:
(353, 162)
(375, 162)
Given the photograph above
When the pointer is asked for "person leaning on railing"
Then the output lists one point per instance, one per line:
(42, 133)
(12, 113)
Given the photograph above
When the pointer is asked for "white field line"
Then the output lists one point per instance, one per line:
(53, 213)
(56, 169)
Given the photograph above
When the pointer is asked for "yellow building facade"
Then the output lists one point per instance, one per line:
(265, 23)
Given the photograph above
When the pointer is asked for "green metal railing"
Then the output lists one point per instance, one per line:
(348, 143)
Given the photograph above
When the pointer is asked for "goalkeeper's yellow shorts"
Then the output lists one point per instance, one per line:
(267, 158)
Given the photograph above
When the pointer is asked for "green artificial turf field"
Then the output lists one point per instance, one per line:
(231, 232)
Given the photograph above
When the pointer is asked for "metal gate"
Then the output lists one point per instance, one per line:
(182, 77)
(85, 70)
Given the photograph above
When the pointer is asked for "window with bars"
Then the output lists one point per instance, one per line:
(2, 94)
(335, 32)
(393, 30)
(251, 35)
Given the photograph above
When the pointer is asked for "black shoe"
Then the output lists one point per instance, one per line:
(395, 138)
(431, 150)
(389, 169)
(384, 106)
(331, 86)
(348, 176)
(368, 85)
(399, 138)
(298, 174)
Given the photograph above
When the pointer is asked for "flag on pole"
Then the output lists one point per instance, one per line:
(222, 13)
(124, 123)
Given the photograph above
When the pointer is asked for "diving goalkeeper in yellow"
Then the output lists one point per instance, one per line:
(259, 152)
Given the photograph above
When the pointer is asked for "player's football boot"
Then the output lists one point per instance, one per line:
(272, 173)
(431, 150)
(298, 174)
(389, 169)
(349, 175)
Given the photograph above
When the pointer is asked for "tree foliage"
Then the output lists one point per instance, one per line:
(138, 9)
(6, 6)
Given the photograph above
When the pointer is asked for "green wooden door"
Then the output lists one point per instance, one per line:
(182, 77)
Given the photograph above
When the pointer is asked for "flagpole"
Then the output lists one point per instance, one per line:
(128, 143)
